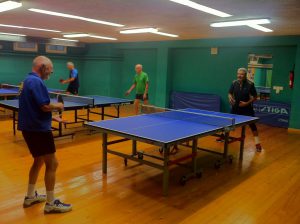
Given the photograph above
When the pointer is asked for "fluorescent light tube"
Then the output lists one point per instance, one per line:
(64, 39)
(165, 34)
(139, 30)
(202, 8)
(29, 28)
(74, 17)
(74, 35)
(241, 23)
(9, 5)
(101, 37)
(13, 34)
(77, 35)
(261, 28)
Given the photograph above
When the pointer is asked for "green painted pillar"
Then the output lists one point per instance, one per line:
(295, 113)
(162, 91)
(260, 77)
(269, 78)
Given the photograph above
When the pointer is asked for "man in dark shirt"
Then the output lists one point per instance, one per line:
(73, 79)
(34, 120)
(241, 96)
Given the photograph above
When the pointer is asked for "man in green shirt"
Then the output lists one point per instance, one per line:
(141, 84)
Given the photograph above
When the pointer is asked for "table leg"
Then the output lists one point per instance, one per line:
(104, 153)
(102, 113)
(194, 158)
(60, 125)
(166, 151)
(88, 114)
(134, 149)
(14, 122)
(118, 115)
(226, 140)
(243, 135)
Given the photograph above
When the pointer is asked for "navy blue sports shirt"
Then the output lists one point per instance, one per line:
(75, 83)
(33, 96)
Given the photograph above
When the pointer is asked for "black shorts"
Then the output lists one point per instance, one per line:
(246, 111)
(73, 90)
(39, 143)
(141, 97)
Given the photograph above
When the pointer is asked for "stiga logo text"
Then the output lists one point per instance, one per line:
(271, 110)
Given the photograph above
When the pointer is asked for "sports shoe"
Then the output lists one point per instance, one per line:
(38, 198)
(57, 207)
(258, 147)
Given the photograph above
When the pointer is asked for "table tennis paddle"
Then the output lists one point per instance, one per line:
(61, 80)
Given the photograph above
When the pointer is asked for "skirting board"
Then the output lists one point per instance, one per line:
(294, 131)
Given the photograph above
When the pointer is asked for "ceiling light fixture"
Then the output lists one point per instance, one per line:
(101, 37)
(74, 35)
(165, 34)
(139, 30)
(241, 23)
(253, 23)
(74, 17)
(65, 39)
(261, 28)
(202, 8)
(77, 35)
(9, 5)
(29, 28)
(13, 34)
(147, 30)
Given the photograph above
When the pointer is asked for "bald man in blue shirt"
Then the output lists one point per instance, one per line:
(35, 117)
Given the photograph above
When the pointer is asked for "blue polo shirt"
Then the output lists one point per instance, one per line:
(75, 83)
(33, 96)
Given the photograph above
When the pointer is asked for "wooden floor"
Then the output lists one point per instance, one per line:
(265, 188)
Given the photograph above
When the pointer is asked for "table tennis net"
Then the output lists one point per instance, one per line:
(75, 99)
(11, 87)
(201, 118)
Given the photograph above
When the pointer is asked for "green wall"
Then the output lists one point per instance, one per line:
(187, 65)
(196, 70)
(15, 65)
(146, 57)
(295, 114)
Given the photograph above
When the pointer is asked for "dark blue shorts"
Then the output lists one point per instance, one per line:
(39, 143)
(73, 90)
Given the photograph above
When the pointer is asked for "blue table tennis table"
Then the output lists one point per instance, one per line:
(75, 103)
(7, 90)
(166, 129)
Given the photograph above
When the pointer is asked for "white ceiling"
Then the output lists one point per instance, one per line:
(168, 16)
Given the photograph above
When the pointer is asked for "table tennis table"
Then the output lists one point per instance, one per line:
(166, 129)
(75, 103)
(8, 90)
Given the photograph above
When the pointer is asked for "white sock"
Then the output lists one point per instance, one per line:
(50, 196)
(256, 139)
(31, 190)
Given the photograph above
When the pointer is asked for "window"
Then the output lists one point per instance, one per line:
(26, 46)
(56, 49)
(260, 72)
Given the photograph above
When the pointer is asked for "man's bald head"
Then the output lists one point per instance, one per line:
(39, 60)
(42, 66)
(70, 65)
(138, 68)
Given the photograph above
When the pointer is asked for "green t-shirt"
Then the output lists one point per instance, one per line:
(141, 81)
